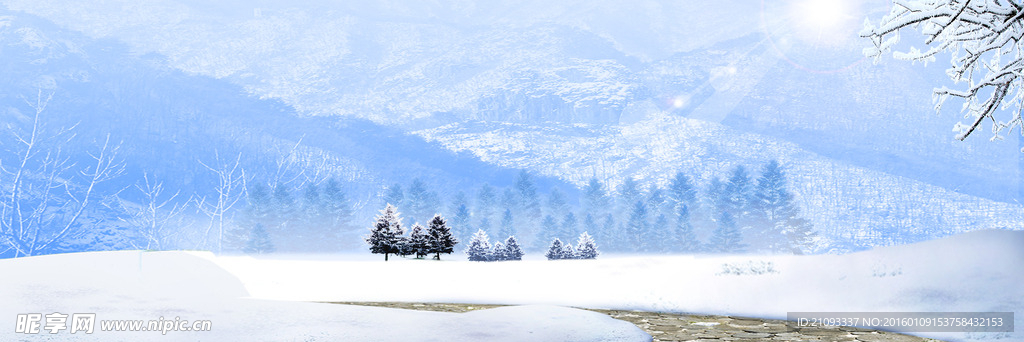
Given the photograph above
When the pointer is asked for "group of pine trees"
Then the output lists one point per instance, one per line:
(736, 214)
(586, 249)
(275, 219)
(388, 237)
(480, 249)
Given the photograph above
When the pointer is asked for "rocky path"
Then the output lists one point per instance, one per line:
(701, 328)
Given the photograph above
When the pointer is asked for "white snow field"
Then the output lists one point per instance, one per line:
(976, 271)
(175, 286)
(268, 298)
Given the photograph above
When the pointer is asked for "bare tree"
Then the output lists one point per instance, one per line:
(152, 217)
(984, 37)
(229, 190)
(45, 192)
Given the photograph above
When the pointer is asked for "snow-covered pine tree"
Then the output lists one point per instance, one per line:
(419, 241)
(385, 233)
(586, 247)
(726, 238)
(498, 252)
(568, 252)
(439, 237)
(479, 247)
(512, 249)
(555, 250)
(507, 224)
(259, 241)
(403, 246)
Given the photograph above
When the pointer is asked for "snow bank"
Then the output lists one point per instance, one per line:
(977, 271)
(188, 286)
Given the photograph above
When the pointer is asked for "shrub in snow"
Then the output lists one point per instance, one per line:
(386, 232)
(419, 242)
(749, 268)
(439, 238)
(479, 247)
(555, 252)
(586, 248)
(885, 270)
(512, 249)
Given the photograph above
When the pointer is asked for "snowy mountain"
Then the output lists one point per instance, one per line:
(594, 88)
(842, 200)
(170, 126)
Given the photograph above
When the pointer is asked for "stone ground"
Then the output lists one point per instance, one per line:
(700, 328)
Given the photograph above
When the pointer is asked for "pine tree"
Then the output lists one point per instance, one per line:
(556, 202)
(629, 194)
(439, 238)
(486, 205)
(687, 240)
(637, 226)
(460, 222)
(660, 236)
(609, 232)
(337, 209)
(595, 198)
(726, 238)
(548, 231)
(259, 241)
(512, 250)
(284, 205)
(479, 247)
(394, 195)
(385, 233)
(419, 241)
(528, 200)
(587, 248)
(681, 192)
(570, 226)
(498, 252)
(555, 250)
(590, 224)
(422, 203)
(738, 192)
(778, 227)
(568, 252)
(311, 218)
(507, 224)
(403, 246)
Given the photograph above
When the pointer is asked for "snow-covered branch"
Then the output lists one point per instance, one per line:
(984, 37)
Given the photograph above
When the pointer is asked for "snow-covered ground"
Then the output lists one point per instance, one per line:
(977, 271)
(186, 286)
(262, 296)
